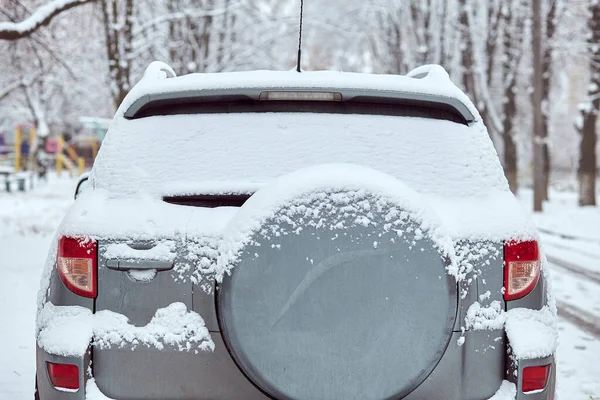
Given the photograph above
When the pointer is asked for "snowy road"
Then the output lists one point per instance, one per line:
(27, 223)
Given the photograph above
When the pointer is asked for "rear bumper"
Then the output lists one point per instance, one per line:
(472, 371)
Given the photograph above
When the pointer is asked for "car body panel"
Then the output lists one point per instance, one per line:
(171, 374)
(138, 300)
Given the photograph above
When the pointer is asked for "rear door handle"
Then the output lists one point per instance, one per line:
(124, 265)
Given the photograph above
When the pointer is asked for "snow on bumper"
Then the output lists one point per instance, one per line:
(532, 334)
(69, 330)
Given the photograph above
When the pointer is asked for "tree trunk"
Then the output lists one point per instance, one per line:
(589, 115)
(512, 31)
(546, 85)
(510, 163)
(587, 161)
(537, 140)
(466, 48)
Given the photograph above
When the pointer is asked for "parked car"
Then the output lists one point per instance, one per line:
(283, 235)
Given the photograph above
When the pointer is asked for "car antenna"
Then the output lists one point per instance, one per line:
(300, 38)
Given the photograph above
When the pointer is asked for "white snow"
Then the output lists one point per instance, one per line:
(173, 325)
(142, 275)
(564, 217)
(92, 392)
(162, 251)
(506, 391)
(182, 188)
(488, 317)
(253, 148)
(64, 331)
(69, 330)
(99, 215)
(496, 216)
(531, 333)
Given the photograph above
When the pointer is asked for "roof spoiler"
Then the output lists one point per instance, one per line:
(158, 70)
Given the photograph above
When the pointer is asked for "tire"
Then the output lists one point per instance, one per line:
(362, 312)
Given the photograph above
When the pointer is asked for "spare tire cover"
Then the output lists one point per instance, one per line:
(331, 305)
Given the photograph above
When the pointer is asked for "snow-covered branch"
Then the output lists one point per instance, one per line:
(21, 83)
(40, 17)
(5, 91)
(176, 16)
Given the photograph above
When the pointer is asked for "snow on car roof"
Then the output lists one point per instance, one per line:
(426, 83)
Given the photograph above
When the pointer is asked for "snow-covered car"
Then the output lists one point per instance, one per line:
(284, 235)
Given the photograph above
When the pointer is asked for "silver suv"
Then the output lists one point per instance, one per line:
(283, 235)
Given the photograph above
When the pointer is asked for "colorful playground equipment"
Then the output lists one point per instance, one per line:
(74, 154)
(23, 144)
(16, 175)
(79, 152)
(66, 157)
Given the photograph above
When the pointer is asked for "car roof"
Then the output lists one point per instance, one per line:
(425, 85)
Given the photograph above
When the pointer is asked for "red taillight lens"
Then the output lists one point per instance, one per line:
(535, 378)
(76, 263)
(64, 376)
(521, 268)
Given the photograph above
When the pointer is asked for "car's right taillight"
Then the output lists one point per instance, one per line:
(535, 378)
(521, 268)
(76, 262)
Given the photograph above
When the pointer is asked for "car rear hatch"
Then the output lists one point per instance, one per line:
(175, 374)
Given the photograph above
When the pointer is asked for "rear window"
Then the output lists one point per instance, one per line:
(434, 156)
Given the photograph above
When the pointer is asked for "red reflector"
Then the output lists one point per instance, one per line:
(64, 376)
(521, 268)
(535, 378)
(76, 262)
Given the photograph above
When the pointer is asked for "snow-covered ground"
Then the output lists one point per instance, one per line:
(27, 224)
(571, 240)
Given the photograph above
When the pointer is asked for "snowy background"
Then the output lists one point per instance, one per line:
(56, 67)
(28, 221)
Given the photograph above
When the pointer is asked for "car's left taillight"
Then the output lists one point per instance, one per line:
(77, 265)
(521, 268)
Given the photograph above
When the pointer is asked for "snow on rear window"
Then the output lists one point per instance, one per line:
(432, 156)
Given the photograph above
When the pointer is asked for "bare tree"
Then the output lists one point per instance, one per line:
(589, 113)
(387, 41)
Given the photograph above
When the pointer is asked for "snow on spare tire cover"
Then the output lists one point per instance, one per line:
(336, 287)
